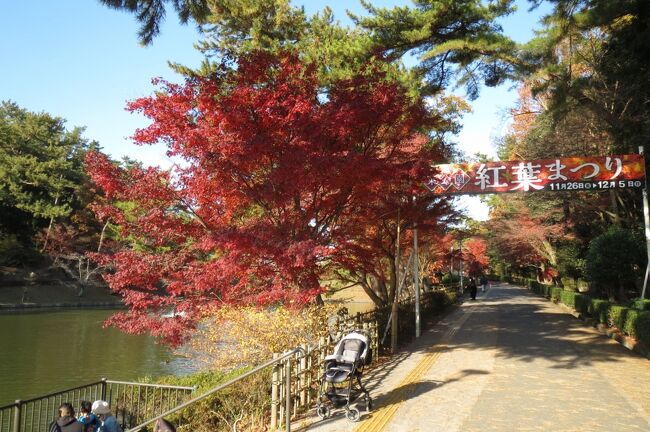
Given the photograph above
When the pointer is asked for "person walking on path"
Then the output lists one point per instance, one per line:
(484, 282)
(66, 421)
(472, 288)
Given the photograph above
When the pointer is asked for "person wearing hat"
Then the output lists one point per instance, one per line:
(108, 421)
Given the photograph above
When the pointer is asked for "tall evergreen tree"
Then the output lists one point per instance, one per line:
(41, 168)
(453, 39)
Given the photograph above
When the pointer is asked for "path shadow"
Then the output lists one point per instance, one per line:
(530, 328)
(413, 390)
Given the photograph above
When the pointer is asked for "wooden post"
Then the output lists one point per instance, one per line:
(303, 376)
(281, 393)
(287, 395)
(310, 365)
(274, 394)
(376, 339)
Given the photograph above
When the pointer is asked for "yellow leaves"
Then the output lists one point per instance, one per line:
(238, 336)
(623, 21)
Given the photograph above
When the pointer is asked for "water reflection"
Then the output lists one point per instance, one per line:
(51, 351)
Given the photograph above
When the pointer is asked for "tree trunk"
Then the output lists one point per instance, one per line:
(614, 203)
(395, 309)
(621, 291)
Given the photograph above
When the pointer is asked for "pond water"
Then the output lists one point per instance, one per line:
(44, 352)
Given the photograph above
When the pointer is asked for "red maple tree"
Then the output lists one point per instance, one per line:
(475, 256)
(277, 179)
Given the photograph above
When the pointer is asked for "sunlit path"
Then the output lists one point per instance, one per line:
(508, 362)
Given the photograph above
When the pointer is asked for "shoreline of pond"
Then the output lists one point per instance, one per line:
(51, 307)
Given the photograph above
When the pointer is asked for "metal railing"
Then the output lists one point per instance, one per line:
(286, 357)
(301, 390)
(130, 403)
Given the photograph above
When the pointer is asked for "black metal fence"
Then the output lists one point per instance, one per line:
(130, 402)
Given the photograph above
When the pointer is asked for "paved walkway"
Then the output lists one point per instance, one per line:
(510, 361)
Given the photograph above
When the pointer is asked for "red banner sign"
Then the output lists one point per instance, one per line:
(559, 174)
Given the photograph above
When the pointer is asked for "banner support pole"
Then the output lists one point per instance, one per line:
(646, 219)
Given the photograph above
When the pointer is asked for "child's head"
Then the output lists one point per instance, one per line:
(85, 407)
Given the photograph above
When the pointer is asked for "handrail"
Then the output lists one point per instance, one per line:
(222, 386)
(174, 387)
(24, 401)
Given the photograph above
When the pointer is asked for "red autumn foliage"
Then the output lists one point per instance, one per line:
(276, 181)
(475, 256)
(525, 239)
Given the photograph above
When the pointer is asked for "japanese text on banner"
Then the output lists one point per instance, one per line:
(559, 174)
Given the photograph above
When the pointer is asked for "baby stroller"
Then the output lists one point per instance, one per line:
(343, 369)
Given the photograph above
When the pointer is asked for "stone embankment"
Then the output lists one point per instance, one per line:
(46, 288)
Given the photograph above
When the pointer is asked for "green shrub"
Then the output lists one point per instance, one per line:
(640, 326)
(639, 304)
(568, 298)
(248, 399)
(582, 303)
(450, 278)
(617, 315)
(631, 317)
(599, 310)
(15, 253)
(615, 257)
(556, 294)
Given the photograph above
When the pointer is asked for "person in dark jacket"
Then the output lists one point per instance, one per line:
(472, 288)
(66, 420)
(484, 282)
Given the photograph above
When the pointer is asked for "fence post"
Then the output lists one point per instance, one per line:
(287, 389)
(302, 370)
(376, 339)
(17, 415)
(281, 393)
(310, 364)
(274, 394)
(103, 390)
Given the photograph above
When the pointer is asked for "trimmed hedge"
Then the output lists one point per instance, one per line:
(640, 325)
(640, 304)
(617, 316)
(556, 294)
(633, 321)
(598, 309)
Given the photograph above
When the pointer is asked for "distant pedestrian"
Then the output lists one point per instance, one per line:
(66, 421)
(87, 418)
(472, 288)
(108, 421)
(484, 282)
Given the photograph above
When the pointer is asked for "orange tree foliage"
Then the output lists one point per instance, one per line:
(525, 238)
(475, 256)
(277, 180)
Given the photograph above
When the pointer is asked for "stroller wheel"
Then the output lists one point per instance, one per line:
(369, 405)
(353, 414)
(323, 411)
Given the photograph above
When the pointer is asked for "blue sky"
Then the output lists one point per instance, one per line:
(82, 61)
